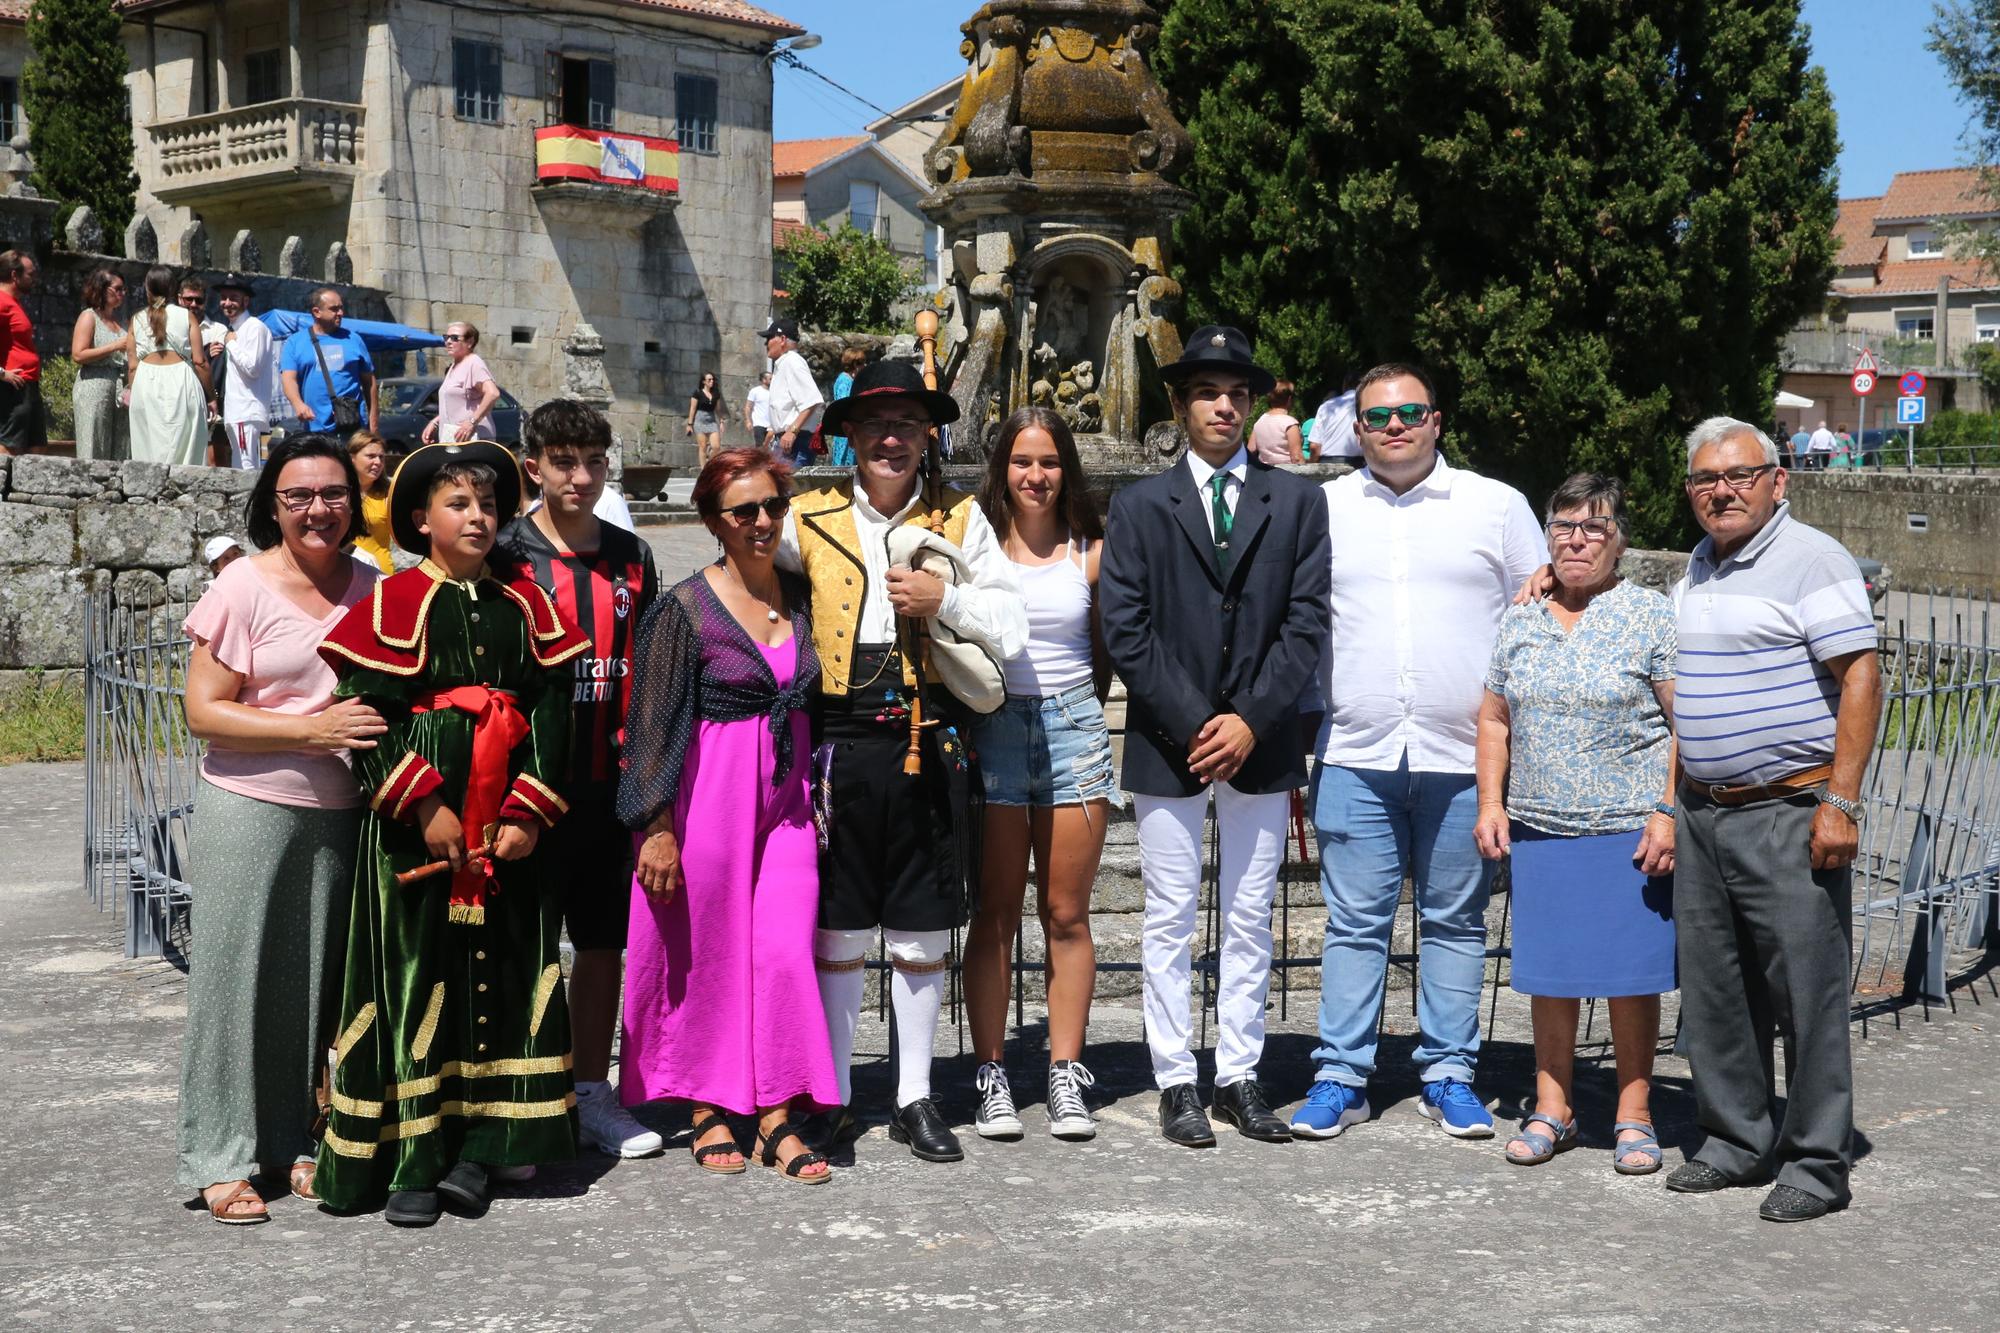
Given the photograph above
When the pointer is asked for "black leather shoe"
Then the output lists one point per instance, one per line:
(1242, 1104)
(1786, 1203)
(922, 1126)
(830, 1131)
(412, 1208)
(466, 1190)
(1181, 1120)
(1697, 1178)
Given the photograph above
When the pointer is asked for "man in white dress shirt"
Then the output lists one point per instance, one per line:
(794, 395)
(1426, 557)
(252, 377)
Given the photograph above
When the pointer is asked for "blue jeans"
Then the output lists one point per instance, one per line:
(1373, 826)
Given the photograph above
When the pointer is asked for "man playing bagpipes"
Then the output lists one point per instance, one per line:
(895, 786)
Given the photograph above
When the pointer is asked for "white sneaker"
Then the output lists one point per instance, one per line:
(997, 1117)
(1069, 1118)
(608, 1127)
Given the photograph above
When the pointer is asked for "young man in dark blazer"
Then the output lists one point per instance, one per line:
(1213, 596)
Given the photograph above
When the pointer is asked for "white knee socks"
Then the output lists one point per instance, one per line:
(919, 960)
(838, 955)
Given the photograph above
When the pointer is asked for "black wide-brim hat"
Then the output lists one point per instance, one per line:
(881, 379)
(1219, 347)
(411, 488)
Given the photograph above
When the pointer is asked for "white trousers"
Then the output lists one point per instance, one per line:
(246, 444)
(1170, 857)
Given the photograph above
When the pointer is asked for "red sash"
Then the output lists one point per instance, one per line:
(497, 727)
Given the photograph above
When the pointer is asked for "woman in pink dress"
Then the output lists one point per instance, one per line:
(722, 1005)
(467, 397)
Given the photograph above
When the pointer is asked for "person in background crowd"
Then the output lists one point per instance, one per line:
(250, 357)
(323, 362)
(757, 410)
(1275, 437)
(722, 1009)
(467, 397)
(1425, 560)
(1845, 452)
(1801, 443)
(898, 852)
(602, 580)
(370, 453)
(167, 378)
(100, 343)
(795, 399)
(219, 553)
(23, 426)
(704, 419)
(1575, 758)
(273, 849)
(1213, 603)
(1332, 435)
(839, 452)
(1820, 447)
(1775, 707)
(192, 297)
(1046, 759)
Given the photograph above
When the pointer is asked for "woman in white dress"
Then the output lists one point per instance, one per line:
(168, 377)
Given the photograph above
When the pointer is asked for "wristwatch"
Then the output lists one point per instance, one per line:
(1662, 808)
(1852, 809)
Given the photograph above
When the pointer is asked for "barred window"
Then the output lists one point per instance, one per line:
(475, 79)
(263, 75)
(697, 109)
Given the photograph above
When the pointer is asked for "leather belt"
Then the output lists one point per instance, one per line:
(1792, 784)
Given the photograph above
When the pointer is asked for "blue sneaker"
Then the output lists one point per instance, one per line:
(1457, 1109)
(1330, 1107)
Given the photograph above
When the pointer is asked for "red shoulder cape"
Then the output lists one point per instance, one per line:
(385, 631)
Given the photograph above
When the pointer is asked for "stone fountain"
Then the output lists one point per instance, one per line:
(1054, 183)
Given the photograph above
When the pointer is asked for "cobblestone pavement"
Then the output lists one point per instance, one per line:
(1394, 1225)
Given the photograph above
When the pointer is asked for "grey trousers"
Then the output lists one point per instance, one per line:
(1764, 944)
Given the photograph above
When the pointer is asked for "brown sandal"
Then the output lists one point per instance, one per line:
(300, 1178)
(792, 1170)
(701, 1155)
(233, 1197)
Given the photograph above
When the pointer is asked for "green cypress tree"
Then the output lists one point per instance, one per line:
(1594, 221)
(73, 91)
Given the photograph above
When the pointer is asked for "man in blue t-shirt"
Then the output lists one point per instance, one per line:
(347, 364)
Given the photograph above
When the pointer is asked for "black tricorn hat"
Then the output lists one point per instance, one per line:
(411, 489)
(889, 379)
(1219, 347)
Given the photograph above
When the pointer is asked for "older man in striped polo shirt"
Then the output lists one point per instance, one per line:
(1775, 710)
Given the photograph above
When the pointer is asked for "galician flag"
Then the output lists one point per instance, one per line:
(624, 159)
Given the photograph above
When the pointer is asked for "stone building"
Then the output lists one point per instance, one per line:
(410, 131)
(826, 182)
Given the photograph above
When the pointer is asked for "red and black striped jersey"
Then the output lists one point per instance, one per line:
(604, 594)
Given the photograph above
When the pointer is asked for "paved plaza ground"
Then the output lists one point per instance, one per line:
(1394, 1225)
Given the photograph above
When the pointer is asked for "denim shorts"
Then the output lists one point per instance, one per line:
(1048, 752)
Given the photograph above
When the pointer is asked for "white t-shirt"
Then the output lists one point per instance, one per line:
(252, 379)
(1823, 441)
(1332, 434)
(760, 406)
(793, 392)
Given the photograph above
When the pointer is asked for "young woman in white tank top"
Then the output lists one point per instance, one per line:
(1046, 759)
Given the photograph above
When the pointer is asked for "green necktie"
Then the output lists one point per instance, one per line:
(1223, 520)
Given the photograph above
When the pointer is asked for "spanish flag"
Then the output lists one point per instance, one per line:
(566, 152)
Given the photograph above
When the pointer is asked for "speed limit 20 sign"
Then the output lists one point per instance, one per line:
(1863, 382)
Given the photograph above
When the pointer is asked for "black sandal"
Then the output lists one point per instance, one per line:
(767, 1153)
(702, 1155)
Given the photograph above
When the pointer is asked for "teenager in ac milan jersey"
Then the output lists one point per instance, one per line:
(602, 579)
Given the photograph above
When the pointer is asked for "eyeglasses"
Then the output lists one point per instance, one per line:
(455, 337)
(1595, 529)
(902, 428)
(1737, 478)
(298, 499)
(745, 514)
(1410, 414)
(193, 301)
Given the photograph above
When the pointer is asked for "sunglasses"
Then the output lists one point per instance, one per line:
(298, 499)
(1736, 478)
(745, 514)
(1410, 414)
(455, 338)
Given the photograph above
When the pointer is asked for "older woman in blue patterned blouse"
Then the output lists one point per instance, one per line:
(1575, 760)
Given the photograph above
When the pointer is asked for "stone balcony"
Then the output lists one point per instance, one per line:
(294, 151)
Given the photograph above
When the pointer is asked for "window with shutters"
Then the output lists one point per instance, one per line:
(475, 79)
(589, 93)
(263, 77)
(697, 111)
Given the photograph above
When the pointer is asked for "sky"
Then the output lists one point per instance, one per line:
(1897, 112)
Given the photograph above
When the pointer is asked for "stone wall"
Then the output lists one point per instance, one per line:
(1932, 529)
(69, 529)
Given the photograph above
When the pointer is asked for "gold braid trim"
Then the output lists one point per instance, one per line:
(427, 1030)
(466, 914)
(437, 577)
(522, 1068)
(348, 1147)
(545, 990)
(345, 1042)
(411, 1129)
(839, 964)
(513, 1110)
(921, 969)
(389, 783)
(544, 789)
(347, 1105)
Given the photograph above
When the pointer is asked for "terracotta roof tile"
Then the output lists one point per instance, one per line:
(784, 229)
(1920, 277)
(1917, 196)
(795, 157)
(1854, 231)
(14, 11)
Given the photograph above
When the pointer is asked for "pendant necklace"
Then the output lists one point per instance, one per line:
(770, 612)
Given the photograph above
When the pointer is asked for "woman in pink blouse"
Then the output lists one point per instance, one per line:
(469, 393)
(276, 821)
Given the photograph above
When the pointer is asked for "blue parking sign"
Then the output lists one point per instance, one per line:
(1909, 411)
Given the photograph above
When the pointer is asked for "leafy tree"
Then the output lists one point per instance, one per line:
(1593, 221)
(846, 280)
(1966, 38)
(73, 91)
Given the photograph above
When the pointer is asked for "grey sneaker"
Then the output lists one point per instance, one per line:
(608, 1127)
(1069, 1118)
(997, 1118)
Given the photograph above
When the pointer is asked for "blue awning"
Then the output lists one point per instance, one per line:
(382, 338)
